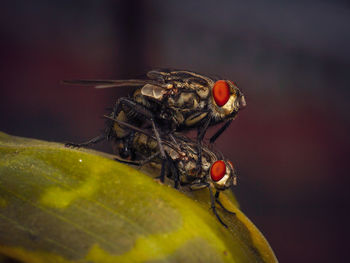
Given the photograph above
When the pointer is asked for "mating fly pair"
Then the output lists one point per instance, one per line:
(170, 101)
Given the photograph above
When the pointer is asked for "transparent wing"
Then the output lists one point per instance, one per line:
(178, 74)
(101, 84)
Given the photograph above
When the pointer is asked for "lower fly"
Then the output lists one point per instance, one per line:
(217, 173)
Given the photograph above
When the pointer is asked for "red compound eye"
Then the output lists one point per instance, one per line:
(217, 170)
(221, 92)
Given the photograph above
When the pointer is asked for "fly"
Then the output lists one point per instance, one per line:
(175, 100)
(217, 173)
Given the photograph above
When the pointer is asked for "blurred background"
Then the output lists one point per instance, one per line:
(291, 60)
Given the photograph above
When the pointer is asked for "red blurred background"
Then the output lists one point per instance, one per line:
(290, 59)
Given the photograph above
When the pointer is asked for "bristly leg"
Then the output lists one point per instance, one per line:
(128, 150)
(200, 137)
(150, 158)
(212, 199)
(110, 124)
(174, 173)
(213, 207)
(222, 206)
(139, 109)
(138, 162)
(94, 140)
(162, 170)
(220, 131)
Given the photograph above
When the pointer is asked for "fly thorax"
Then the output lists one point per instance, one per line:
(174, 116)
(187, 100)
(205, 165)
(203, 92)
(171, 101)
(203, 89)
(192, 155)
(202, 105)
(190, 168)
(178, 117)
(174, 155)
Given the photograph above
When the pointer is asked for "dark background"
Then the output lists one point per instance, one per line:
(291, 59)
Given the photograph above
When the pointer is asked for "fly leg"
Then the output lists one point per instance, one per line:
(213, 199)
(200, 137)
(220, 131)
(172, 138)
(143, 162)
(116, 110)
(95, 140)
(174, 172)
(162, 170)
(199, 186)
(127, 149)
(106, 136)
(139, 163)
(139, 109)
(148, 159)
(222, 206)
(162, 176)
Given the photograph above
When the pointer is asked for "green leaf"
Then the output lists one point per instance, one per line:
(65, 205)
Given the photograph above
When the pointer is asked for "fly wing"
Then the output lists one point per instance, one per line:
(167, 74)
(101, 84)
(184, 79)
(160, 74)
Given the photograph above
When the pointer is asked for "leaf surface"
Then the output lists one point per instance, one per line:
(66, 205)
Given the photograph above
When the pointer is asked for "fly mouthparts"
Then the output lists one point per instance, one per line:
(242, 102)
